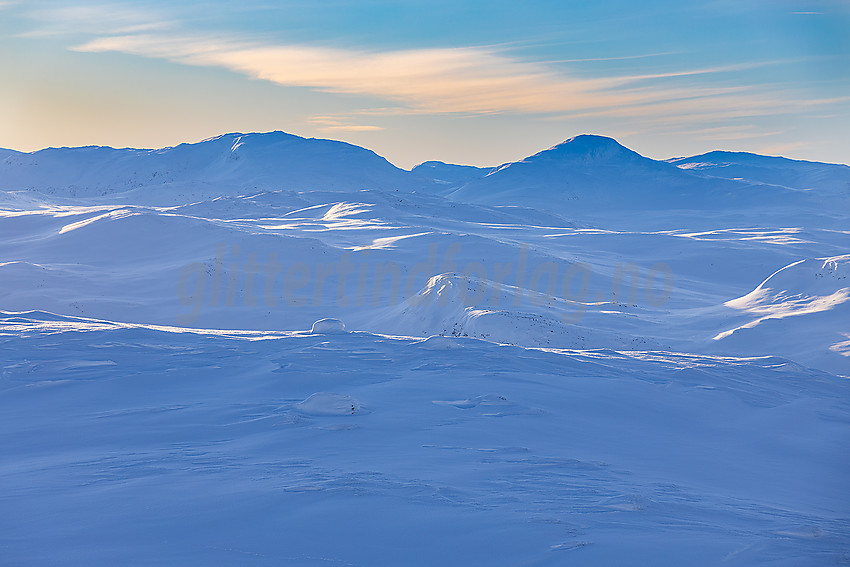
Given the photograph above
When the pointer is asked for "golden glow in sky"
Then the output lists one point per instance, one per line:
(481, 83)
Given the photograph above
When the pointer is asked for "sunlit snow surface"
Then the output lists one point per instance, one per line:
(482, 419)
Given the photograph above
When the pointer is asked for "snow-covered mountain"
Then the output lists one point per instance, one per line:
(251, 198)
(585, 356)
(784, 172)
(595, 172)
(225, 165)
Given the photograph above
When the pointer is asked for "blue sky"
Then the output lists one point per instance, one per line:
(466, 82)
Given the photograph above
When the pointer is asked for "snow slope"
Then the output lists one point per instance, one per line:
(135, 445)
(267, 349)
(809, 298)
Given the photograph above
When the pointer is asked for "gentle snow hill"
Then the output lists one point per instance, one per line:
(795, 174)
(596, 173)
(124, 262)
(460, 305)
(225, 165)
(802, 309)
(116, 258)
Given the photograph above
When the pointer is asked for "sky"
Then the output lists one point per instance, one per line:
(477, 82)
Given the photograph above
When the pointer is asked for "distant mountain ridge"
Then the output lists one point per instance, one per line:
(596, 173)
(585, 172)
(796, 174)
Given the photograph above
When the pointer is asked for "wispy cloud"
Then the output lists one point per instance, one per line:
(779, 149)
(468, 80)
(341, 124)
(728, 133)
(673, 106)
(619, 58)
(96, 19)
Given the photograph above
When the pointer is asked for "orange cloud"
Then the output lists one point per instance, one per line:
(469, 80)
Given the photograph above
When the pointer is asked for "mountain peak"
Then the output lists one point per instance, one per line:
(589, 141)
(587, 148)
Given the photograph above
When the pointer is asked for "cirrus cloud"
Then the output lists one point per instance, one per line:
(457, 79)
(467, 80)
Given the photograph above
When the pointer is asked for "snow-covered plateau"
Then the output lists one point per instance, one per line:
(262, 349)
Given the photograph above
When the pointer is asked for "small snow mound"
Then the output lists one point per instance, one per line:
(327, 403)
(329, 325)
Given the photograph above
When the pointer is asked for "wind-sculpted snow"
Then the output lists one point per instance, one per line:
(808, 298)
(202, 447)
(266, 349)
(465, 306)
(284, 260)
